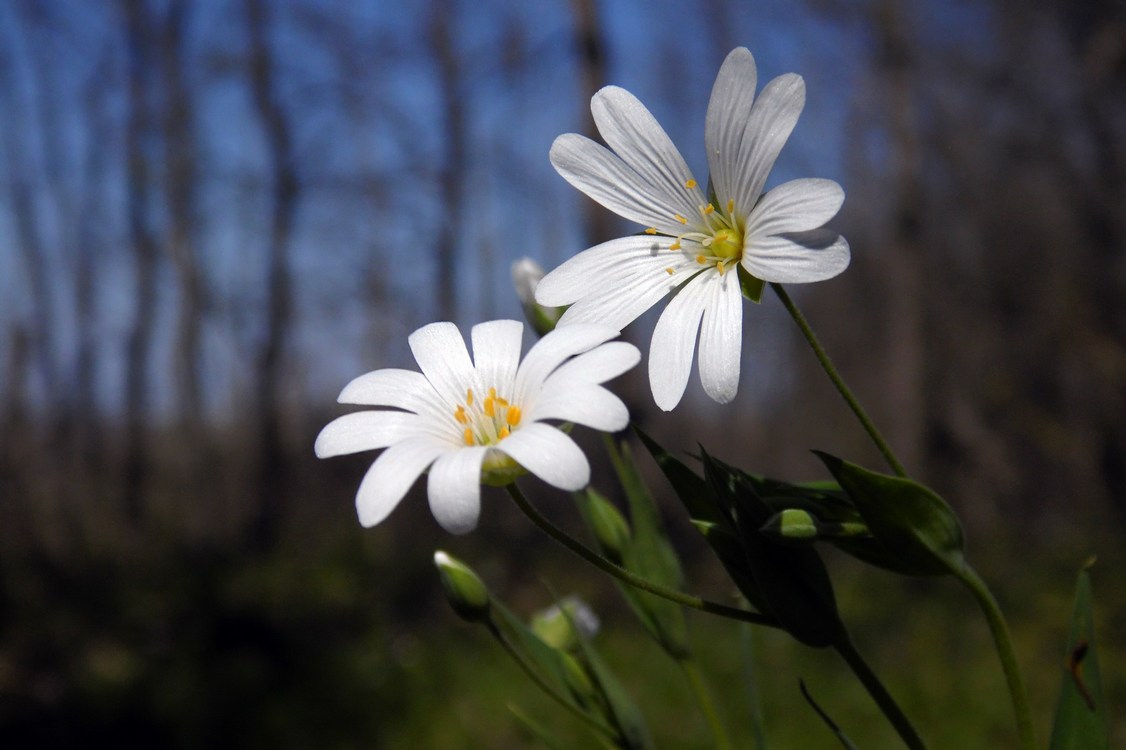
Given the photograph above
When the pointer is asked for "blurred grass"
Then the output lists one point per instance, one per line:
(339, 638)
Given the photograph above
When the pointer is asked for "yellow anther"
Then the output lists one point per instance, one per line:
(504, 432)
(468, 435)
(469, 397)
(492, 392)
(502, 401)
(681, 219)
(719, 265)
(690, 184)
(670, 271)
(651, 230)
(513, 416)
(708, 209)
(701, 259)
(490, 407)
(460, 415)
(730, 205)
(675, 245)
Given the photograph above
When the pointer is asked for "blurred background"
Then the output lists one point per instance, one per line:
(214, 214)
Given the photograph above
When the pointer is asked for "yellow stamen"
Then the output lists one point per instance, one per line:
(468, 435)
(708, 209)
(719, 265)
(675, 245)
(700, 259)
(513, 416)
(460, 416)
(670, 271)
(504, 432)
(690, 184)
(651, 230)
(501, 401)
(681, 219)
(492, 393)
(469, 397)
(730, 205)
(490, 407)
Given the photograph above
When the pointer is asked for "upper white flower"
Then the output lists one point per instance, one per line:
(461, 418)
(694, 242)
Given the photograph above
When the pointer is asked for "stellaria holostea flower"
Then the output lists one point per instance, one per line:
(699, 244)
(478, 420)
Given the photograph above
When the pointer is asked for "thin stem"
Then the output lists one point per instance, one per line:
(686, 600)
(847, 649)
(1004, 644)
(700, 688)
(831, 371)
(545, 686)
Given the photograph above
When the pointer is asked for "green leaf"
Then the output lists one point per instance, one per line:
(1081, 717)
(913, 525)
(689, 487)
(535, 728)
(792, 582)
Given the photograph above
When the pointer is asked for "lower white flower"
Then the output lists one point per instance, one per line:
(484, 419)
(705, 246)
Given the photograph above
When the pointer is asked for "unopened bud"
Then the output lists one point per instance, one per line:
(609, 526)
(465, 592)
(794, 524)
(557, 625)
(526, 275)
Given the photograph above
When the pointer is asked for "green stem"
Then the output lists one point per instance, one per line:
(842, 388)
(1004, 642)
(686, 600)
(847, 649)
(700, 688)
(545, 686)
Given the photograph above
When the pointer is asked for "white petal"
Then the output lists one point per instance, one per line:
(589, 405)
(729, 109)
(496, 353)
(636, 136)
(772, 119)
(454, 489)
(795, 206)
(721, 339)
(392, 474)
(596, 366)
(605, 178)
(615, 282)
(674, 339)
(549, 454)
(551, 351)
(440, 352)
(402, 389)
(798, 258)
(366, 431)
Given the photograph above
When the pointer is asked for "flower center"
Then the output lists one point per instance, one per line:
(486, 421)
(726, 244)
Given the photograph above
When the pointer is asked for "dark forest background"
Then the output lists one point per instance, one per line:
(214, 214)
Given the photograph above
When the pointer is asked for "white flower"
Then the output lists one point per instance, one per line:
(467, 420)
(695, 243)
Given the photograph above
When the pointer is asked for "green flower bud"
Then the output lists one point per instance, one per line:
(794, 524)
(526, 274)
(557, 624)
(609, 526)
(465, 592)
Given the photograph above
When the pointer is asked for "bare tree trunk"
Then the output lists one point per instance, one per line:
(903, 396)
(144, 257)
(285, 184)
(452, 174)
(591, 45)
(181, 182)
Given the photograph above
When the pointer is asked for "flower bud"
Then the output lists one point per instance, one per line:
(556, 626)
(609, 527)
(526, 274)
(465, 592)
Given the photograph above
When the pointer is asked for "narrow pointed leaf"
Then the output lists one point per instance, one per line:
(1081, 714)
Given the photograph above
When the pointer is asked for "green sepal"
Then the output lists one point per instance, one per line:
(1081, 721)
(751, 285)
(791, 581)
(913, 525)
(609, 527)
